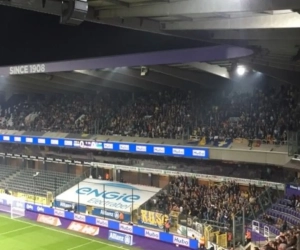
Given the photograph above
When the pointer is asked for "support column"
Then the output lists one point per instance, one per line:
(150, 178)
(2, 160)
(23, 165)
(114, 174)
(118, 174)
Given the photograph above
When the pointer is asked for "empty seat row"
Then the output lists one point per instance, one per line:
(23, 181)
(285, 209)
(286, 217)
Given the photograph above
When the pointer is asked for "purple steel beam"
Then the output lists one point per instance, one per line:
(205, 54)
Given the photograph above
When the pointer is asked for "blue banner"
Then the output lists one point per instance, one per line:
(122, 238)
(164, 150)
(292, 190)
(137, 148)
(120, 228)
(55, 142)
(110, 214)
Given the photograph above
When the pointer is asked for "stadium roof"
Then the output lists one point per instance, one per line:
(90, 75)
(126, 79)
(270, 28)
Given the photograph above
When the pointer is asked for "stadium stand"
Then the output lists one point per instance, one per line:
(283, 219)
(230, 169)
(19, 180)
(5, 172)
(213, 204)
(265, 115)
(282, 216)
(195, 202)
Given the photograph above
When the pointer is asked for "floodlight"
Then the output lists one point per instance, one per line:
(241, 70)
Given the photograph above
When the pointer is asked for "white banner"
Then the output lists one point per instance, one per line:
(111, 195)
(151, 170)
(188, 232)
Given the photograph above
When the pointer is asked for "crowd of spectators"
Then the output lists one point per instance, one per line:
(263, 113)
(295, 202)
(217, 203)
(171, 114)
(287, 240)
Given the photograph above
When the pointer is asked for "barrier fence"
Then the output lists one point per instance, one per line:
(114, 225)
(210, 235)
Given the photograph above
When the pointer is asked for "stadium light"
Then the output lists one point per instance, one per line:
(36, 174)
(34, 185)
(144, 71)
(241, 70)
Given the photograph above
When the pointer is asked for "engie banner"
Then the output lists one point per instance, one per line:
(107, 195)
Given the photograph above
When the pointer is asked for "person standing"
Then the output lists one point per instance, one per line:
(248, 236)
(167, 226)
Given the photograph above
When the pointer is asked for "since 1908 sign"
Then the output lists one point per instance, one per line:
(27, 69)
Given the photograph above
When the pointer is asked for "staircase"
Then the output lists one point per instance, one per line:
(4, 182)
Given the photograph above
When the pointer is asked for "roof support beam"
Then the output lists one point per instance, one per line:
(134, 24)
(61, 82)
(19, 85)
(52, 7)
(255, 34)
(95, 81)
(19, 89)
(115, 77)
(158, 78)
(40, 83)
(209, 68)
(291, 20)
(273, 62)
(201, 78)
(200, 7)
(286, 76)
(115, 2)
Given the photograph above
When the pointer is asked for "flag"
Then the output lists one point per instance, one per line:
(202, 142)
